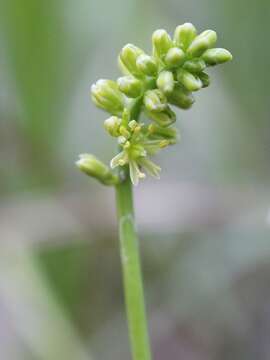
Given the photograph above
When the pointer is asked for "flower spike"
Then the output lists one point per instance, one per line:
(152, 83)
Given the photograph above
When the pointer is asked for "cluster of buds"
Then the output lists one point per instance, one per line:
(154, 83)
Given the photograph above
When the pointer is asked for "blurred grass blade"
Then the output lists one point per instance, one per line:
(36, 47)
(37, 317)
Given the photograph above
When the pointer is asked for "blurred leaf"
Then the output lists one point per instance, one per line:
(37, 53)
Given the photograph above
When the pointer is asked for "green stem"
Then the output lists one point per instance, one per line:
(130, 257)
(133, 285)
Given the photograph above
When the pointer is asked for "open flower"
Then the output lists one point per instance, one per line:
(137, 144)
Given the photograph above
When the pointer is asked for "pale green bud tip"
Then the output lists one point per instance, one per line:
(154, 100)
(210, 36)
(161, 42)
(175, 57)
(112, 125)
(130, 86)
(184, 35)
(128, 57)
(105, 94)
(91, 166)
(147, 65)
(165, 82)
(217, 56)
(190, 81)
(202, 42)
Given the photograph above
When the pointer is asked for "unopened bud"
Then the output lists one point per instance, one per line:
(112, 125)
(161, 43)
(165, 82)
(154, 100)
(164, 118)
(202, 42)
(127, 59)
(106, 95)
(147, 65)
(91, 166)
(194, 66)
(205, 79)
(156, 130)
(130, 86)
(181, 98)
(184, 35)
(217, 56)
(190, 81)
(175, 57)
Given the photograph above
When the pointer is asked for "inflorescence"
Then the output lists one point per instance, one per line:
(151, 84)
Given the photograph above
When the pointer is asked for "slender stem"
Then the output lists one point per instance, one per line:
(133, 285)
(130, 257)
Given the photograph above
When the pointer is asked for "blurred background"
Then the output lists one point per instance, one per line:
(204, 228)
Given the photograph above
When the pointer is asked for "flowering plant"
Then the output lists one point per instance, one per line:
(151, 84)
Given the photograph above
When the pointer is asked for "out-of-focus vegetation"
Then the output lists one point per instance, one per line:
(204, 226)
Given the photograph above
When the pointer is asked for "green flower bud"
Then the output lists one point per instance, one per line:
(184, 35)
(105, 94)
(127, 59)
(130, 86)
(168, 133)
(174, 57)
(161, 43)
(190, 81)
(181, 98)
(165, 82)
(154, 100)
(164, 118)
(112, 125)
(194, 66)
(91, 166)
(205, 79)
(210, 35)
(202, 42)
(147, 65)
(217, 56)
